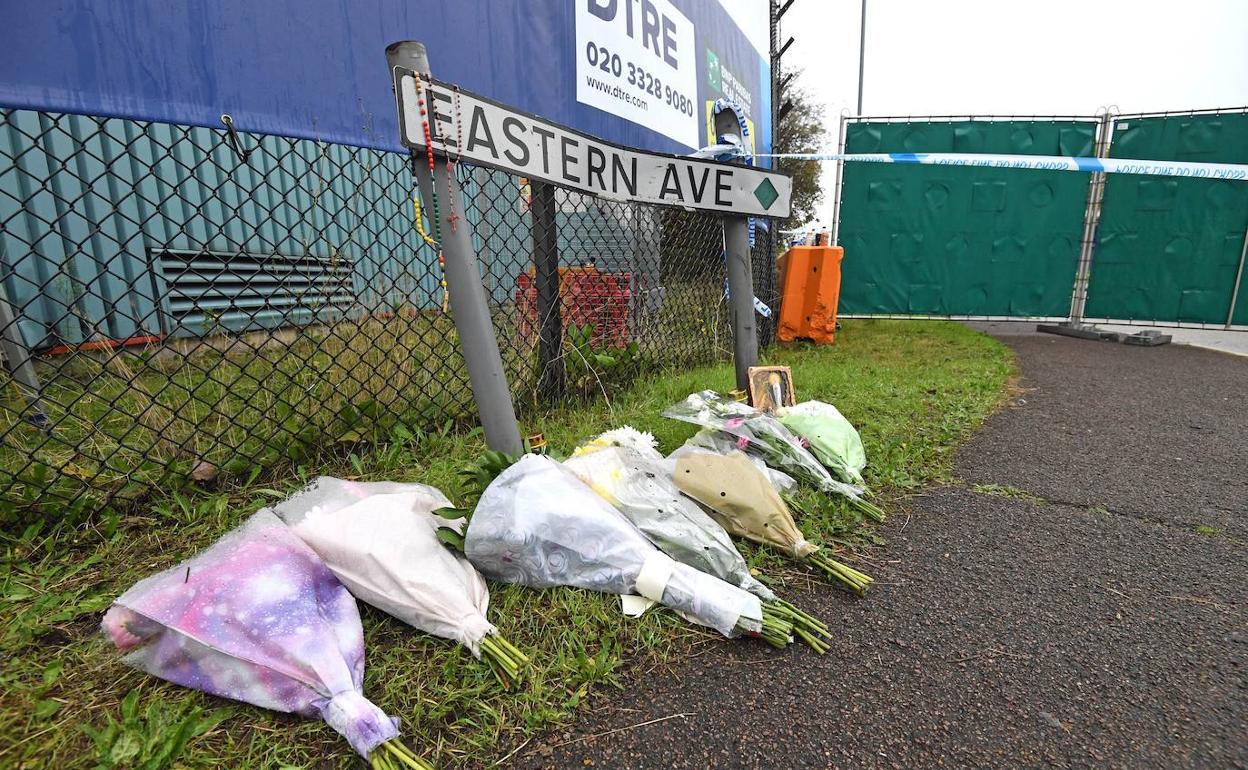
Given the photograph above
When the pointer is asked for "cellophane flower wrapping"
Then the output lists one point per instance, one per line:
(740, 498)
(832, 438)
(725, 444)
(257, 618)
(759, 434)
(538, 525)
(380, 539)
(642, 489)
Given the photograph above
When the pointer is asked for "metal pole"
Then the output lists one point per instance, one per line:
(18, 359)
(463, 282)
(862, 53)
(1091, 222)
(546, 277)
(1239, 277)
(775, 71)
(741, 297)
(836, 185)
(740, 274)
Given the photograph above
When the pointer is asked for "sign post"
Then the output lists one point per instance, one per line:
(740, 273)
(447, 121)
(463, 283)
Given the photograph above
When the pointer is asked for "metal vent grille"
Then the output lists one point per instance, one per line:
(241, 292)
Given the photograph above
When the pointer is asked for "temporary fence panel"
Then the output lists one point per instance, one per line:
(1170, 249)
(962, 241)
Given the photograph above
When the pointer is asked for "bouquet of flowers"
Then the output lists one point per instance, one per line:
(763, 435)
(831, 437)
(259, 618)
(745, 503)
(626, 470)
(725, 443)
(538, 525)
(380, 539)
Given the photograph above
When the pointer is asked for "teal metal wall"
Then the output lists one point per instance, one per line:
(89, 204)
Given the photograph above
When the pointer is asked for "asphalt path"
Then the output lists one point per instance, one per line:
(1076, 600)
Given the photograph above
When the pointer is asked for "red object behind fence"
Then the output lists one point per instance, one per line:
(587, 296)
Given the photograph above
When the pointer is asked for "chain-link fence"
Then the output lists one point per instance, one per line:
(180, 303)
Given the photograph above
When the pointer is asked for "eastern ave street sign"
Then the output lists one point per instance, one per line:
(481, 131)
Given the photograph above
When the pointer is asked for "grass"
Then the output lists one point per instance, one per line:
(1005, 490)
(126, 422)
(123, 422)
(915, 389)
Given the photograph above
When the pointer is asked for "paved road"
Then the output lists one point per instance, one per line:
(1079, 601)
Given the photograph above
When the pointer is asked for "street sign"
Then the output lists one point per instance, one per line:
(463, 125)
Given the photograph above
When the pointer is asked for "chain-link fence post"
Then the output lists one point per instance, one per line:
(18, 360)
(469, 308)
(550, 384)
(836, 183)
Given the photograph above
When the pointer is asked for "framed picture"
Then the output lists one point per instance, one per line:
(771, 387)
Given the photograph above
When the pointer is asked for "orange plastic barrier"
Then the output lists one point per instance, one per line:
(812, 289)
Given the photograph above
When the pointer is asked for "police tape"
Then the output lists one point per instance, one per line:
(1230, 171)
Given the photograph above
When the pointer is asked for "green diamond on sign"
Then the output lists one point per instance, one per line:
(766, 193)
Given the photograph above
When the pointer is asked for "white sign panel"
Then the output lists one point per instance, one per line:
(636, 59)
(478, 130)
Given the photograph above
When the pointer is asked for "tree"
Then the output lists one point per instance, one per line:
(801, 130)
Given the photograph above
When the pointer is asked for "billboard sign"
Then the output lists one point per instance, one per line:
(638, 61)
(637, 72)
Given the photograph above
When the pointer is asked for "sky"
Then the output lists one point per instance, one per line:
(1010, 57)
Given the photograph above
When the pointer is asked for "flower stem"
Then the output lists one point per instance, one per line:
(506, 661)
(396, 756)
(848, 576)
(812, 641)
(810, 630)
(516, 654)
(868, 509)
(777, 629)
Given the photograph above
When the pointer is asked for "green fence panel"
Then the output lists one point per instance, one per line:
(951, 240)
(1169, 249)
